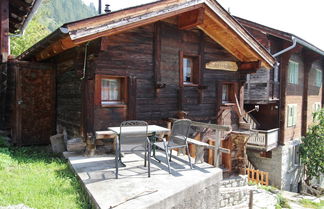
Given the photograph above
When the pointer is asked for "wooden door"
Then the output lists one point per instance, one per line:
(34, 120)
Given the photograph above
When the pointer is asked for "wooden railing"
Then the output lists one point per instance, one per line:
(264, 139)
(250, 119)
(257, 176)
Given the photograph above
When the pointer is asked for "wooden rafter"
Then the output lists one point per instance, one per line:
(191, 19)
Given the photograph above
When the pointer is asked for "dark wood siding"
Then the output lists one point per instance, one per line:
(68, 91)
(131, 54)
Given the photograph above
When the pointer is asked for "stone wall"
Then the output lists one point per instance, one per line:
(283, 173)
(234, 191)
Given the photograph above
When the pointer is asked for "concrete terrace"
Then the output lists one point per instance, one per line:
(184, 188)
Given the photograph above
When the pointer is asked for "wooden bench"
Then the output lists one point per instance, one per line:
(200, 146)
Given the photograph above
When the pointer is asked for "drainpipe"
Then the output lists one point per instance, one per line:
(85, 60)
(28, 19)
(294, 40)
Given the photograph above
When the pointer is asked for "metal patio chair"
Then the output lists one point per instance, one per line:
(178, 139)
(133, 132)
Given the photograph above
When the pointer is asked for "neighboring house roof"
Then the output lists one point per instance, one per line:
(280, 34)
(20, 13)
(206, 15)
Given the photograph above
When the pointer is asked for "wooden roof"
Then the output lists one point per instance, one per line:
(19, 10)
(206, 15)
(279, 34)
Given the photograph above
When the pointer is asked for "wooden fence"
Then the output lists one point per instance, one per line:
(257, 176)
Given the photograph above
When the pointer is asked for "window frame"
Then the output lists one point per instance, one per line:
(195, 74)
(318, 78)
(294, 80)
(296, 161)
(316, 107)
(230, 94)
(291, 107)
(123, 91)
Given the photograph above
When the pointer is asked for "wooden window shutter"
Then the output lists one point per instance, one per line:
(289, 112)
(131, 114)
(294, 114)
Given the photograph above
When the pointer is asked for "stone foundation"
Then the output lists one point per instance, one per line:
(283, 173)
(234, 192)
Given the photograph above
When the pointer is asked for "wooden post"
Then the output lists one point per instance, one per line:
(251, 199)
(157, 58)
(216, 151)
(4, 30)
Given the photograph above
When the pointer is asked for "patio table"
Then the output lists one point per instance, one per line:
(133, 130)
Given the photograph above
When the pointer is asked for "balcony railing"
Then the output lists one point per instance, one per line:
(264, 140)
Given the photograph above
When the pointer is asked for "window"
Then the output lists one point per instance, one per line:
(110, 90)
(316, 107)
(227, 93)
(266, 154)
(293, 72)
(189, 68)
(318, 78)
(292, 115)
(296, 155)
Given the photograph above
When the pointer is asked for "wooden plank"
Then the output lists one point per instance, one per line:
(157, 56)
(212, 126)
(132, 87)
(211, 153)
(4, 30)
(133, 25)
(191, 19)
(216, 150)
(250, 66)
(201, 71)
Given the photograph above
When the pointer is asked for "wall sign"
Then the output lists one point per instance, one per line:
(222, 65)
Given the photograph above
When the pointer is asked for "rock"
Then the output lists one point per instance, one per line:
(57, 142)
(75, 145)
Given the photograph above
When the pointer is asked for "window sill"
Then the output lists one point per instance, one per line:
(228, 104)
(190, 84)
(114, 105)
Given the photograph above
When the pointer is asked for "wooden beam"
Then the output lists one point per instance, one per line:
(284, 62)
(131, 113)
(55, 48)
(191, 19)
(18, 12)
(250, 66)
(201, 69)
(20, 3)
(157, 56)
(4, 30)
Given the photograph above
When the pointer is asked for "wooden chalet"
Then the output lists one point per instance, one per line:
(147, 63)
(14, 17)
(287, 95)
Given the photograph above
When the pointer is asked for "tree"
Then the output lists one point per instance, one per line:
(34, 33)
(50, 15)
(312, 148)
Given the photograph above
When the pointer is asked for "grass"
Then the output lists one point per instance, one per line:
(310, 204)
(39, 179)
(282, 202)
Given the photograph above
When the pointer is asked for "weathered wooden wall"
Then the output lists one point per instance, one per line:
(131, 54)
(32, 102)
